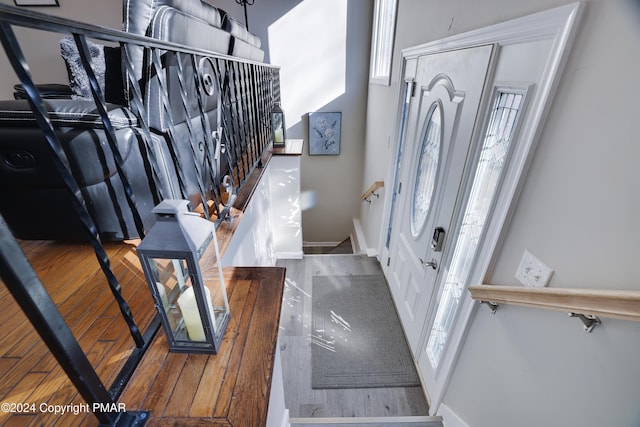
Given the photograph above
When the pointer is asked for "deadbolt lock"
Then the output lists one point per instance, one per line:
(438, 239)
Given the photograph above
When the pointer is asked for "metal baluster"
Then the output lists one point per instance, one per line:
(238, 133)
(98, 97)
(238, 85)
(32, 297)
(136, 105)
(156, 63)
(235, 120)
(226, 136)
(208, 85)
(265, 113)
(19, 64)
(249, 113)
(254, 71)
(234, 110)
(191, 132)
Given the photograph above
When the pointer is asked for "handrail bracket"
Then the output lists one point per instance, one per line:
(493, 306)
(366, 196)
(590, 321)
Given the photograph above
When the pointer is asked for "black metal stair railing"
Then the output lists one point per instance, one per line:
(223, 147)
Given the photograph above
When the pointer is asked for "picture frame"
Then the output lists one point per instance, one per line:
(324, 133)
(53, 3)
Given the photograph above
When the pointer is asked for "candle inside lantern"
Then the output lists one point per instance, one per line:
(278, 135)
(191, 314)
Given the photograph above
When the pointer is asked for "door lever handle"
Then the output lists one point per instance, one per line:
(433, 263)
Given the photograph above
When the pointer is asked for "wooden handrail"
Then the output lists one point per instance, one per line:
(596, 302)
(371, 190)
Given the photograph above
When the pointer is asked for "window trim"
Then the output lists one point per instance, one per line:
(382, 38)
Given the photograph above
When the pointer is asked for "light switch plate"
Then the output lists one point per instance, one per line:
(533, 272)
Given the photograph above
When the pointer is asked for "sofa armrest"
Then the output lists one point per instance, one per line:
(65, 112)
(47, 91)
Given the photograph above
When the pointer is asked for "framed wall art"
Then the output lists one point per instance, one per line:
(36, 2)
(324, 133)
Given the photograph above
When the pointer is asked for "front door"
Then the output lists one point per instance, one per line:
(441, 117)
(433, 303)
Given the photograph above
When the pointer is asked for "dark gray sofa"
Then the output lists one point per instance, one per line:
(33, 199)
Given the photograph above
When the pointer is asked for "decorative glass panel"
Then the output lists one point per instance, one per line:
(491, 163)
(172, 279)
(396, 178)
(427, 172)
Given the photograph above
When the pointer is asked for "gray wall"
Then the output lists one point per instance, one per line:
(578, 212)
(42, 49)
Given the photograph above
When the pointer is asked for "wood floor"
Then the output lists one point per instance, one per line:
(71, 274)
(295, 323)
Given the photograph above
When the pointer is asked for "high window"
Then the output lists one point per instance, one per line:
(384, 22)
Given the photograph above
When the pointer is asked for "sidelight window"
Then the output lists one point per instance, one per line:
(507, 105)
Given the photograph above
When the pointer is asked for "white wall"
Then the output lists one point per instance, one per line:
(322, 47)
(578, 212)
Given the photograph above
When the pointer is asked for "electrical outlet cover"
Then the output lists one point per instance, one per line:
(533, 272)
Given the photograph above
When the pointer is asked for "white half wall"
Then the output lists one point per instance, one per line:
(286, 215)
(271, 226)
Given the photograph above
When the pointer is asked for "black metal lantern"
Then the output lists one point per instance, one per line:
(277, 125)
(180, 257)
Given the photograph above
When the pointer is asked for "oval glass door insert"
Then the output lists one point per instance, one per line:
(427, 172)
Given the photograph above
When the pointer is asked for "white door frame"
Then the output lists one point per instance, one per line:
(558, 25)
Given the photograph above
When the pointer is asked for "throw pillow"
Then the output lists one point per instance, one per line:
(78, 79)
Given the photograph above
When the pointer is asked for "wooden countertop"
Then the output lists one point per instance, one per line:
(230, 388)
(292, 147)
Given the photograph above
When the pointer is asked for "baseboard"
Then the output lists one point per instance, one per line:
(285, 419)
(314, 244)
(368, 420)
(290, 255)
(354, 247)
(359, 241)
(450, 418)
